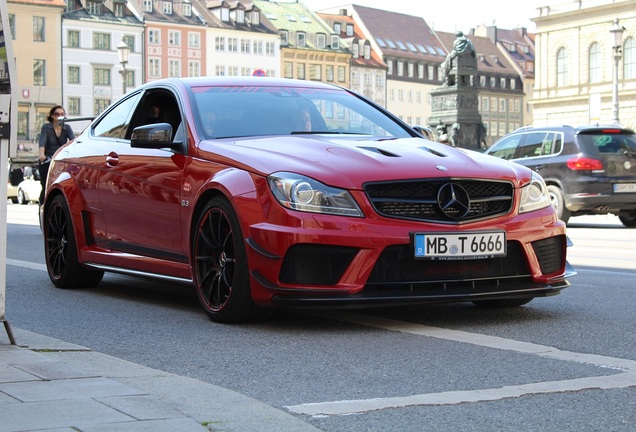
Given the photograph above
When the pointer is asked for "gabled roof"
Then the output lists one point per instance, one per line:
(209, 13)
(77, 10)
(376, 59)
(401, 35)
(176, 17)
(489, 58)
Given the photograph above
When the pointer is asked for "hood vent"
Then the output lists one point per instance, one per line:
(380, 151)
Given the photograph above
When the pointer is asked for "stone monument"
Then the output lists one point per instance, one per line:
(455, 105)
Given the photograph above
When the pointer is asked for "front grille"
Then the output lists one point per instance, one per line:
(312, 264)
(550, 253)
(396, 266)
(420, 199)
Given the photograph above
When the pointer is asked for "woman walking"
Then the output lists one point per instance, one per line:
(53, 135)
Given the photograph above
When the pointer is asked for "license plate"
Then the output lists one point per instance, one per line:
(458, 246)
(625, 187)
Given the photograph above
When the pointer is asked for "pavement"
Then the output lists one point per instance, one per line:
(50, 385)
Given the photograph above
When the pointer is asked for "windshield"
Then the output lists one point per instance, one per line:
(231, 111)
(609, 141)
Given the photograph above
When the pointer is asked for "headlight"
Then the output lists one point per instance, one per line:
(534, 196)
(297, 192)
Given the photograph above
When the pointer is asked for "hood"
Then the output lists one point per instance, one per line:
(350, 161)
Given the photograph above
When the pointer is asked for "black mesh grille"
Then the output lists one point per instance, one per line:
(418, 199)
(550, 253)
(311, 264)
(396, 266)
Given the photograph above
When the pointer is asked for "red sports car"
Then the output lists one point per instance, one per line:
(272, 192)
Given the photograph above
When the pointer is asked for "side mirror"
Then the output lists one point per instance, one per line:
(426, 132)
(156, 135)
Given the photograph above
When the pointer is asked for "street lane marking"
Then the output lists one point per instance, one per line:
(625, 379)
(26, 264)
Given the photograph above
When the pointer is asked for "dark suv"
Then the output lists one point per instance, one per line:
(588, 170)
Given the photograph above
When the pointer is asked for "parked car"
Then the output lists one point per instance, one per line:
(24, 181)
(588, 170)
(217, 182)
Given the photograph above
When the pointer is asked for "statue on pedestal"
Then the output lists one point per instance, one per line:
(460, 62)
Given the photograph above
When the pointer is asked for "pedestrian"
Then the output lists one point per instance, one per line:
(53, 135)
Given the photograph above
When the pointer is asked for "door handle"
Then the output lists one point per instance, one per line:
(112, 159)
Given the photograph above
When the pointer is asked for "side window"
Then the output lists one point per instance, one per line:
(115, 123)
(157, 106)
(552, 144)
(532, 144)
(506, 148)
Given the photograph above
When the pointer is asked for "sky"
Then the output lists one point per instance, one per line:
(452, 15)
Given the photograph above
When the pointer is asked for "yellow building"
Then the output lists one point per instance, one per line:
(575, 63)
(36, 27)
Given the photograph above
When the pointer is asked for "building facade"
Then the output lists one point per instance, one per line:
(36, 28)
(575, 63)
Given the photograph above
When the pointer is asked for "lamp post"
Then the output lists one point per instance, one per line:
(616, 39)
(123, 50)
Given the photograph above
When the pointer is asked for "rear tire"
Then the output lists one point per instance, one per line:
(502, 303)
(558, 202)
(220, 269)
(628, 218)
(61, 258)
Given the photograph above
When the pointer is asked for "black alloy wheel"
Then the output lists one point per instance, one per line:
(62, 262)
(220, 266)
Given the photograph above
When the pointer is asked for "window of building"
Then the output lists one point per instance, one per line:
(39, 72)
(100, 105)
(300, 71)
(561, 67)
(270, 48)
(225, 14)
(629, 58)
(321, 40)
(355, 77)
(118, 10)
(38, 29)
(154, 67)
(355, 50)
(219, 43)
(513, 83)
(420, 71)
(232, 71)
(73, 106)
(342, 74)
(257, 47)
(130, 41)
(493, 82)
(194, 68)
(315, 72)
(73, 75)
(154, 36)
(301, 40)
(409, 70)
(337, 27)
(400, 68)
(502, 83)
(367, 79)
(220, 70)
(256, 18)
(379, 80)
(187, 9)
(23, 122)
(240, 16)
(335, 42)
(94, 7)
(594, 57)
(147, 5)
(288, 70)
(130, 78)
(502, 105)
(400, 95)
(232, 44)
(493, 104)
(392, 95)
(367, 51)
(330, 74)
(174, 38)
(284, 37)
(73, 39)
(485, 106)
(167, 7)
(246, 45)
(101, 76)
(174, 68)
(482, 80)
(194, 40)
(101, 41)
(12, 25)
(349, 30)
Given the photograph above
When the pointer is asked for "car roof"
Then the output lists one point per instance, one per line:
(577, 129)
(239, 81)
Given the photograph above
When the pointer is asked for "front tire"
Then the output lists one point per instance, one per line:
(62, 262)
(221, 275)
(558, 202)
